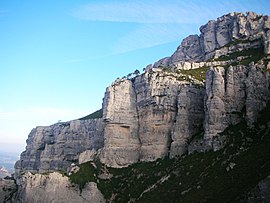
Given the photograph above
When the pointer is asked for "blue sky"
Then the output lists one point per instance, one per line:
(57, 57)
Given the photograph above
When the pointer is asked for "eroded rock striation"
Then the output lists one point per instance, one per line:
(55, 147)
(232, 94)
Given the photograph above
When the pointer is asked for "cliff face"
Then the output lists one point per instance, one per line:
(54, 187)
(121, 135)
(215, 35)
(233, 94)
(211, 82)
(55, 147)
(156, 114)
(146, 115)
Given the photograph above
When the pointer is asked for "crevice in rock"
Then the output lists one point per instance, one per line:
(137, 113)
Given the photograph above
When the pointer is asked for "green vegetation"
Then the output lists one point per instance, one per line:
(96, 114)
(198, 73)
(251, 55)
(84, 175)
(190, 75)
(220, 176)
(241, 41)
(167, 69)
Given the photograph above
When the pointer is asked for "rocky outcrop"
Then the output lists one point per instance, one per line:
(219, 34)
(144, 115)
(121, 145)
(233, 94)
(157, 108)
(156, 114)
(8, 188)
(55, 147)
(189, 119)
(260, 193)
(54, 187)
(162, 112)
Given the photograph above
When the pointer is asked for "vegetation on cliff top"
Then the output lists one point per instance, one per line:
(96, 114)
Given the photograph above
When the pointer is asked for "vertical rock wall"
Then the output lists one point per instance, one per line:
(189, 119)
(121, 132)
(157, 109)
(145, 115)
(232, 94)
(55, 147)
(219, 33)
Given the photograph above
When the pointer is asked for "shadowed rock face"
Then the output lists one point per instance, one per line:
(216, 34)
(7, 189)
(231, 94)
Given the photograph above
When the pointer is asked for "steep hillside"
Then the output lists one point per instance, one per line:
(194, 127)
(226, 175)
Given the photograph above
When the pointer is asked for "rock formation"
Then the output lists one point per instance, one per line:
(156, 114)
(55, 147)
(121, 146)
(216, 35)
(231, 94)
(54, 187)
(170, 110)
(7, 189)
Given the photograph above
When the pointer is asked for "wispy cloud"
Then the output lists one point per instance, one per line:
(149, 35)
(156, 22)
(161, 21)
(151, 11)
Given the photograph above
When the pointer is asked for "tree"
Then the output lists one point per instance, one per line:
(136, 72)
(129, 75)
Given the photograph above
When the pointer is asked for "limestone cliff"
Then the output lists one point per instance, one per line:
(178, 106)
(157, 114)
(232, 94)
(54, 187)
(216, 35)
(150, 117)
(56, 147)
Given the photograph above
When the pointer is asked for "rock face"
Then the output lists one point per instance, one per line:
(54, 188)
(156, 114)
(216, 34)
(7, 189)
(232, 94)
(55, 147)
(157, 107)
(189, 120)
(160, 113)
(145, 115)
(121, 130)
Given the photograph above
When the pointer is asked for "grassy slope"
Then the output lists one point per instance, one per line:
(201, 177)
(96, 114)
